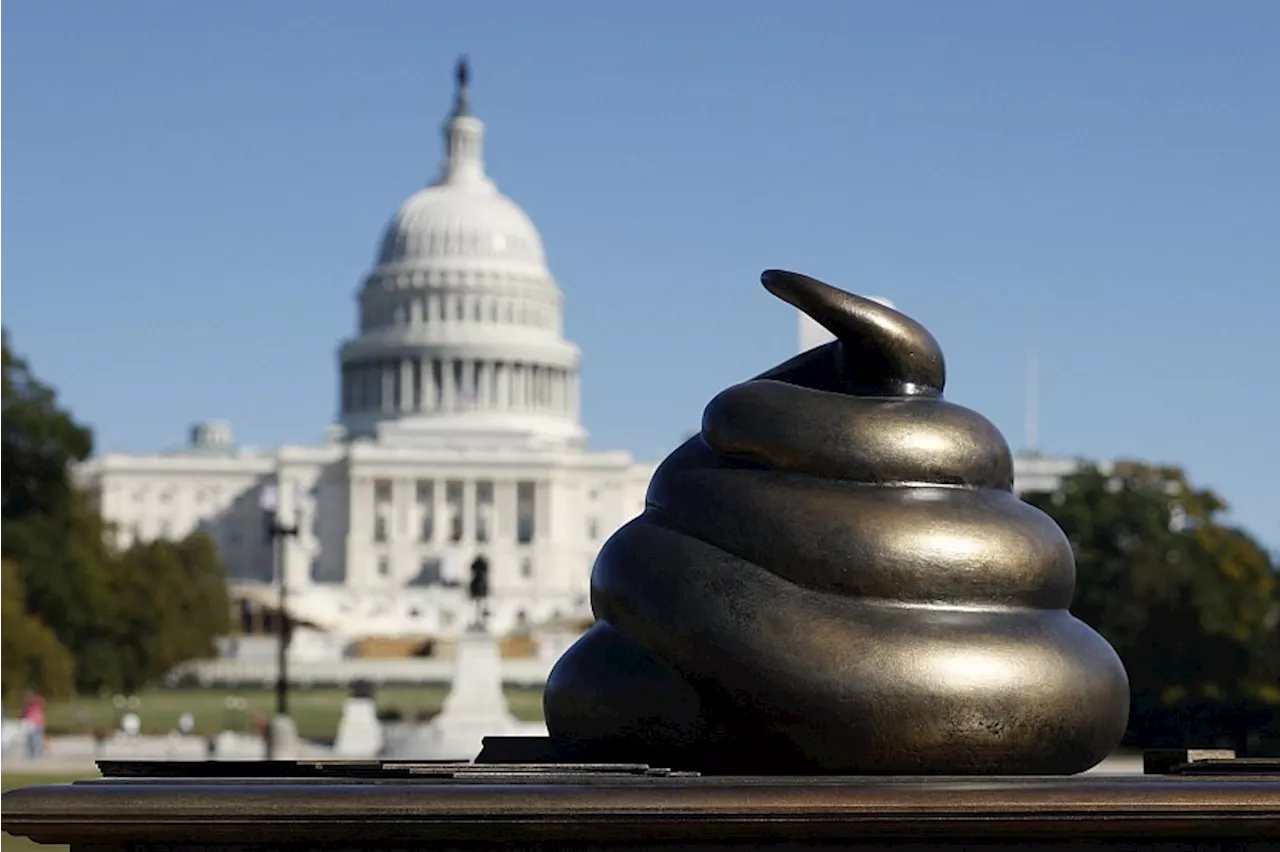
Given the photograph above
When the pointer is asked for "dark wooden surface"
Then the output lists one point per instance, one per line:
(633, 810)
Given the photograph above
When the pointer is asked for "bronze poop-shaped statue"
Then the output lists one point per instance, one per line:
(835, 576)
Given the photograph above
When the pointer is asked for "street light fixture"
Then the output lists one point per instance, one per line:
(277, 531)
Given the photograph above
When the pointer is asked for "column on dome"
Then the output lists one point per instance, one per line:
(504, 386)
(423, 389)
(406, 384)
(469, 382)
(575, 397)
(430, 396)
(446, 384)
(449, 380)
(486, 384)
(388, 387)
(437, 385)
(416, 369)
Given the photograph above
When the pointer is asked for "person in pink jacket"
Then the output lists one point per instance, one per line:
(33, 718)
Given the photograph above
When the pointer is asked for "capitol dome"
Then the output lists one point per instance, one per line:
(460, 331)
(461, 216)
(460, 221)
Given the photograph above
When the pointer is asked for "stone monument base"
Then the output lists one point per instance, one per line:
(359, 731)
(474, 709)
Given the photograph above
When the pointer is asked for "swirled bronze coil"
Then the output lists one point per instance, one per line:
(835, 576)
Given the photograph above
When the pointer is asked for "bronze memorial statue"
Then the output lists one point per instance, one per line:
(478, 591)
(835, 576)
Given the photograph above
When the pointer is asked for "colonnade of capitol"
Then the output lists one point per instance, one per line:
(460, 436)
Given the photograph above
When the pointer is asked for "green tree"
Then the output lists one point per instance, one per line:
(33, 658)
(1187, 602)
(49, 529)
(205, 606)
(124, 618)
(40, 442)
(171, 604)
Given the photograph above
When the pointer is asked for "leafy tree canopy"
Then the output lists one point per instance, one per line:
(32, 657)
(1189, 603)
(123, 618)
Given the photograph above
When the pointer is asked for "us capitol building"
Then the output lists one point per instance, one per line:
(460, 438)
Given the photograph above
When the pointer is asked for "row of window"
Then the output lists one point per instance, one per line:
(419, 309)
(167, 494)
(429, 571)
(416, 242)
(454, 520)
(262, 622)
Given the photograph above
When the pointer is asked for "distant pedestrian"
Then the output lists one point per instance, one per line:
(33, 720)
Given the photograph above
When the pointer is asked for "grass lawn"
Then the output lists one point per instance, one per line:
(8, 781)
(315, 711)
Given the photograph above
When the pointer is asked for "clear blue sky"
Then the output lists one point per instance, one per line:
(195, 190)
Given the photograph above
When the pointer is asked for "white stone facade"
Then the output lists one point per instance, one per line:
(460, 438)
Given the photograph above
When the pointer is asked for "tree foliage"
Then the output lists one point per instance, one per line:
(33, 658)
(124, 618)
(1189, 603)
(171, 602)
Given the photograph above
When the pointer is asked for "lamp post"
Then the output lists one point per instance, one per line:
(277, 532)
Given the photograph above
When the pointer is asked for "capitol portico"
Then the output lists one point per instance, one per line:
(460, 437)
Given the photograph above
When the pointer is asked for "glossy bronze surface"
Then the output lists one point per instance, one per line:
(835, 576)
